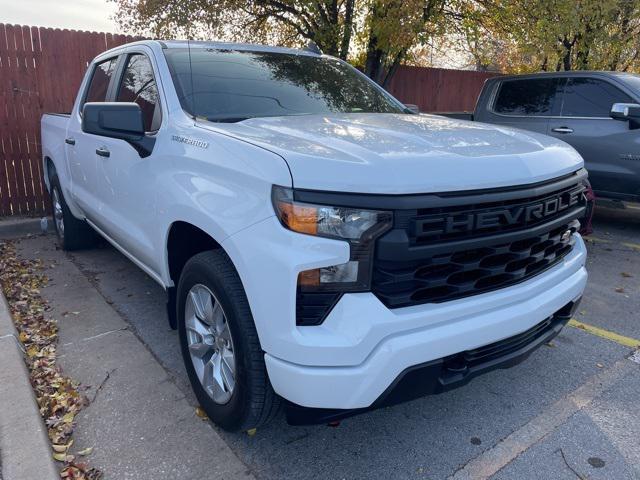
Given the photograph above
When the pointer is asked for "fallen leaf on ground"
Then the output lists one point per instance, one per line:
(86, 451)
(201, 413)
(63, 457)
(61, 448)
(58, 397)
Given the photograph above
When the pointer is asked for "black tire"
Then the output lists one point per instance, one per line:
(74, 234)
(253, 402)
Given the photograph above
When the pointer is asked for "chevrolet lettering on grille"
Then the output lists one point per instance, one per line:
(513, 216)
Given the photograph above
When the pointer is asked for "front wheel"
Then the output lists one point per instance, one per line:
(220, 345)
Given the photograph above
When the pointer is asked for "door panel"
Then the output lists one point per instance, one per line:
(127, 181)
(607, 146)
(127, 198)
(81, 146)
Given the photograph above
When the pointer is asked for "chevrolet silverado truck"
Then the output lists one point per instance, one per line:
(597, 113)
(325, 251)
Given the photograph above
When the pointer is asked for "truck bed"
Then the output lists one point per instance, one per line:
(53, 131)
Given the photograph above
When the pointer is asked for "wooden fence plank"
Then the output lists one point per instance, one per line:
(34, 136)
(5, 87)
(16, 189)
(21, 126)
(31, 123)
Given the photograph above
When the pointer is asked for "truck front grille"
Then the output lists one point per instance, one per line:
(462, 251)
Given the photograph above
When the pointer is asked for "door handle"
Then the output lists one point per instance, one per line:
(70, 141)
(103, 151)
(562, 130)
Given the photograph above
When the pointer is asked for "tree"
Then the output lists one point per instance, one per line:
(328, 23)
(376, 34)
(393, 28)
(553, 34)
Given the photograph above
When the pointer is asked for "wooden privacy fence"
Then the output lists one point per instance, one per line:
(438, 89)
(41, 70)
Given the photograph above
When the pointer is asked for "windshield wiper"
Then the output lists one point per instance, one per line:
(239, 118)
(227, 119)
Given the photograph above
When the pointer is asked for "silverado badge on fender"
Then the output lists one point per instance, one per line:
(190, 141)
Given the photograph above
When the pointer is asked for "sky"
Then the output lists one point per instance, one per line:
(94, 15)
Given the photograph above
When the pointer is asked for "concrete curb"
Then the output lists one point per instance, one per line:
(18, 227)
(25, 451)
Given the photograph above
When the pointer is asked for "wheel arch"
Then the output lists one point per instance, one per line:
(183, 240)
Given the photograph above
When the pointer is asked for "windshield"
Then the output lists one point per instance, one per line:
(233, 85)
(633, 81)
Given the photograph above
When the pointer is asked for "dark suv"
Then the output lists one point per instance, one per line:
(598, 113)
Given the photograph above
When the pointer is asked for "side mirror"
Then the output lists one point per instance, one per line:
(627, 111)
(412, 108)
(118, 120)
(113, 119)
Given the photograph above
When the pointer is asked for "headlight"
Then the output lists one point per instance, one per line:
(325, 221)
(359, 227)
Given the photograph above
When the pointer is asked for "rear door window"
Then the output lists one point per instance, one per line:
(139, 85)
(591, 97)
(530, 97)
(102, 72)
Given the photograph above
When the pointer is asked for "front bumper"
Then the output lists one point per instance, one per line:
(400, 339)
(362, 347)
(444, 374)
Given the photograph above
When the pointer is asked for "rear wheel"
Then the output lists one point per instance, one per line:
(72, 233)
(220, 345)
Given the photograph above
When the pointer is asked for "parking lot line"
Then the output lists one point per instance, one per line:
(634, 246)
(497, 457)
(600, 332)
(631, 245)
(593, 239)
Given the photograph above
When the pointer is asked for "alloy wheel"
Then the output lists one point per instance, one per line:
(58, 214)
(210, 343)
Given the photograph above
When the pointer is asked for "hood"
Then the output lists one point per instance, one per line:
(399, 154)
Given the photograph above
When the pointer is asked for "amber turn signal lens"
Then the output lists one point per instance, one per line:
(309, 278)
(298, 218)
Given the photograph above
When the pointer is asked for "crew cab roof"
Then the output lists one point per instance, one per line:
(249, 47)
(234, 46)
(571, 73)
(625, 79)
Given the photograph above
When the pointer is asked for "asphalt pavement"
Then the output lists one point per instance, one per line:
(570, 411)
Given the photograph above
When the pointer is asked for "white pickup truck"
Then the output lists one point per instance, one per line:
(324, 249)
